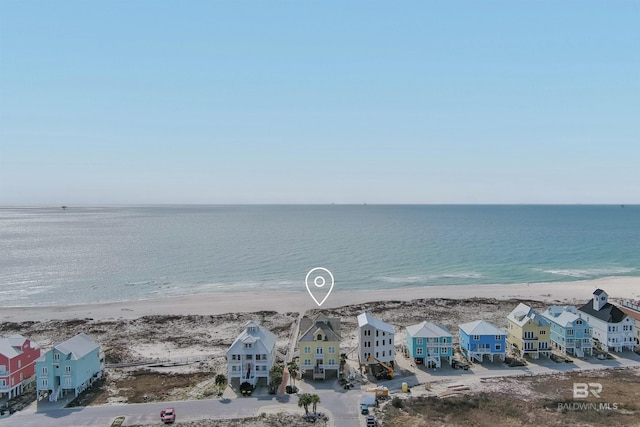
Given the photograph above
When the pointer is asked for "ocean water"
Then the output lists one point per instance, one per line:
(91, 254)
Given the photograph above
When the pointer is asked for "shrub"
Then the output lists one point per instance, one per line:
(397, 402)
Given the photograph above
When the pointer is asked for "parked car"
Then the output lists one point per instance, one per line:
(457, 364)
(168, 416)
(371, 421)
(364, 409)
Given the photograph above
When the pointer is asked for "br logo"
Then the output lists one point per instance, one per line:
(582, 390)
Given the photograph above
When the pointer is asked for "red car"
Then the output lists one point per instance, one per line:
(168, 416)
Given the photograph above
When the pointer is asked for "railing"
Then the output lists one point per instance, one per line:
(175, 361)
(631, 305)
(4, 373)
(4, 387)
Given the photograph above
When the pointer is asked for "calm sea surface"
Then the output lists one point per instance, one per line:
(84, 255)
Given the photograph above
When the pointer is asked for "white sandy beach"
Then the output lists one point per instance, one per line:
(220, 303)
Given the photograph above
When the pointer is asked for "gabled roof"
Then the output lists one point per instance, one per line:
(12, 346)
(330, 327)
(599, 291)
(481, 327)
(428, 330)
(563, 315)
(258, 334)
(523, 314)
(77, 347)
(368, 319)
(608, 313)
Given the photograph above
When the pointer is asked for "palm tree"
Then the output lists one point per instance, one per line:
(305, 400)
(275, 375)
(315, 399)
(293, 371)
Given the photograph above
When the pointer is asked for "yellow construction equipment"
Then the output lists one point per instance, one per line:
(390, 372)
(381, 392)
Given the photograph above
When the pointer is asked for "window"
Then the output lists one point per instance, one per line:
(377, 343)
(45, 370)
(377, 332)
(319, 337)
(332, 350)
(56, 357)
(67, 369)
(476, 337)
(3, 382)
(498, 347)
(233, 368)
(444, 350)
(377, 354)
(332, 361)
(569, 332)
(307, 350)
(383, 353)
(19, 364)
(319, 350)
(307, 361)
(528, 335)
(258, 356)
(543, 332)
(418, 340)
(498, 337)
(249, 357)
(247, 345)
(578, 322)
(45, 383)
(419, 350)
(21, 376)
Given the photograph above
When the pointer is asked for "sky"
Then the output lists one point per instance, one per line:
(150, 102)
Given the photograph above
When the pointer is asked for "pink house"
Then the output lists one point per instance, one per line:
(17, 364)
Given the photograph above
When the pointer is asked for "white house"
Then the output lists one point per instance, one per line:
(252, 354)
(376, 340)
(612, 328)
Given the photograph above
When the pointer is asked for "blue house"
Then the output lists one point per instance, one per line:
(428, 343)
(569, 332)
(481, 338)
(69, 367)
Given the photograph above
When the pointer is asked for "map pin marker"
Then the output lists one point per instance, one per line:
(319, 282)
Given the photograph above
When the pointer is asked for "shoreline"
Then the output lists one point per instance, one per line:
(574, 292)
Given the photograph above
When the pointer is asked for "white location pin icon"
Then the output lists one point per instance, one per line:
(316, 283)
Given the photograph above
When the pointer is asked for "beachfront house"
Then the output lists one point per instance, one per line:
(375, 341)
(252, 354)
(480, 338)
(69, 367)
(18, 357)
(528, 332)
(570, 334)
(428, 343)
(632, 308)
(613, 329)
(319, 346)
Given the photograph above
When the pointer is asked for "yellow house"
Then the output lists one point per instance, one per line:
(529, 333)
(319, 346)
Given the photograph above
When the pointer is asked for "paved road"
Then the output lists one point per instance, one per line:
(341, 405)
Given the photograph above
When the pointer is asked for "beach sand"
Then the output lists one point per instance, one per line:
(283, 302)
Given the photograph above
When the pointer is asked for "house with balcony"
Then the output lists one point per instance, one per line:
(18, 357)
(481, 338)
(570, 334)
(252, 354)
(528, 332)
(375, 341)
(632, 309)
(428, 343)
(613, 329)
(70, 367)
(319, 346)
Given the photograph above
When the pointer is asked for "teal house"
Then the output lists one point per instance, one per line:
(70, 367)
(428, 343)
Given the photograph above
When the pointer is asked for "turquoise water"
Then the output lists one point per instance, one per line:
(83, 255)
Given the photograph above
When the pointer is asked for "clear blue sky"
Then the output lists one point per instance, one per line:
(319, 101)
